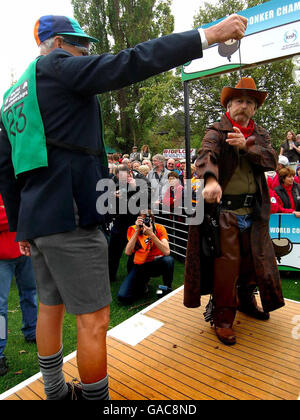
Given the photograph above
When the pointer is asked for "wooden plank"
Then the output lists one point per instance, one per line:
(284, 350)
(223, 364)
(170, 377)
(128, 387)
(38, 388)
(13, 397)
(179, 376)
(184, 359)
(201, 343)
(26, 394)
(115, 395)
(205, 340)
(274, 329)
(257, 349)
(259, 384)
(145, 384)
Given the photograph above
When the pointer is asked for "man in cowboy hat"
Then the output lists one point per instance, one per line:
(234, 155)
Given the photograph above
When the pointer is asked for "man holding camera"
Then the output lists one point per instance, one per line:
(128, 183)
(149, 243)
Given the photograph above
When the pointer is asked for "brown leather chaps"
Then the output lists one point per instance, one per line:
(234, 276)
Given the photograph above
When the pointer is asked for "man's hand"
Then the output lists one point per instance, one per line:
(212, 191)
(233, 27)
(236, 139)
(131, 182)
(297, 213)
(25, 248)
(297, 148)
(148, 230)
(139, 223)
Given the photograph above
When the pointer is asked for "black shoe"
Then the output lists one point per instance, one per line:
(163, 291)
(30, 340)
(3, 366)
(255, 312)
(74, 390)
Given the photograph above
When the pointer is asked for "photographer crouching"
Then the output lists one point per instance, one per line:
(149, 243)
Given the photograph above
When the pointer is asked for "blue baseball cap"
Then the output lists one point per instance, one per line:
(48, 26)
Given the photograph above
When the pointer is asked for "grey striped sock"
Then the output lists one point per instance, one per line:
(97, 390)
(54, 380)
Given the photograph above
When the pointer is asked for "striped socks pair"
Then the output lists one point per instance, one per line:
(55, 384)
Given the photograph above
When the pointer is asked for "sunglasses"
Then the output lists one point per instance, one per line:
(82, 46)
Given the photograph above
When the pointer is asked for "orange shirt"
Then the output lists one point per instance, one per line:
(145, 249)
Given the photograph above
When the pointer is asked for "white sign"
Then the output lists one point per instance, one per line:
(287, 226)
(177, 153)
(273, 32)
(135, 329)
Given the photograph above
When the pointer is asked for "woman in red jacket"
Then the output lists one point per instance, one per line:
(287, 194)
(174, 194)
(13, 264)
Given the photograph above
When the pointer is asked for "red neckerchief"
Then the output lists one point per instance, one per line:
(246, 131)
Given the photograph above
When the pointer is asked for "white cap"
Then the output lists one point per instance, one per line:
(283, 160)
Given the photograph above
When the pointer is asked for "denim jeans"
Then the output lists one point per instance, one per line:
(134, 284)
(244, 222)
(21, 269)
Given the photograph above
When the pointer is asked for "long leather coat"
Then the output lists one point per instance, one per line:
(218, 158)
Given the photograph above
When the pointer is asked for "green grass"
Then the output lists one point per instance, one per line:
(22, 357)
(291, 284)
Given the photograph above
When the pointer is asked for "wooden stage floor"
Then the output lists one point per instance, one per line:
(168, 352)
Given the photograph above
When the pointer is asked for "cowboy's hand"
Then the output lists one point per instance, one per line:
(25, 248)
(233, 27)
(236, 139)
(212, 191)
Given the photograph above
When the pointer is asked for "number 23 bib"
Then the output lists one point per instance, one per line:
(24, 125)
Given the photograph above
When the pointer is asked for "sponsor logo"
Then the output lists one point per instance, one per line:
(290, 36)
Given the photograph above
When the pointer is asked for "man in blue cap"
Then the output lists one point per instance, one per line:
(51, 157)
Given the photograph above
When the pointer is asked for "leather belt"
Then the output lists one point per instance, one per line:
(234, 202)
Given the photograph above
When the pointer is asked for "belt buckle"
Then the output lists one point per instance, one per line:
(248, 200)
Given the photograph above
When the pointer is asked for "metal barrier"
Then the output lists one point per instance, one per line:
(177, 230)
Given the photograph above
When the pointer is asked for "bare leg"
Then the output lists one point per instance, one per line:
(49, 329)
(91, 345)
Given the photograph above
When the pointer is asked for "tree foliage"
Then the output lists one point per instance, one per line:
(152, 111)
(280, 112)
(129, 113)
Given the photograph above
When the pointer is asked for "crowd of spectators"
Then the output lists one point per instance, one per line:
(146, 245)
(167, 176)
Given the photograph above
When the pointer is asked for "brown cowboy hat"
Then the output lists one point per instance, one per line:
(246, 86)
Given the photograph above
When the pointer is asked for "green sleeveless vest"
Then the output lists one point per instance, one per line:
(22, 120)
(24, 125)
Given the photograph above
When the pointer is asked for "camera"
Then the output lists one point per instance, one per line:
(147, 221)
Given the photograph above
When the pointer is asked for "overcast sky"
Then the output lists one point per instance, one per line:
(17, 19)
